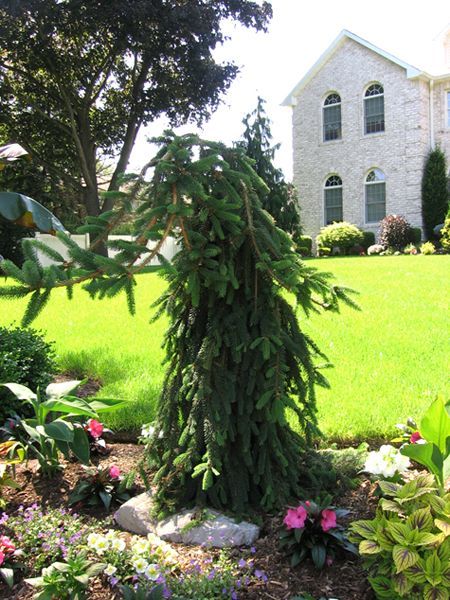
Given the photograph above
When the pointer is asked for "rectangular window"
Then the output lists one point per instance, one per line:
(374, 114)
(332, 123)
(448, 109)
(333, 205)
(375, 202)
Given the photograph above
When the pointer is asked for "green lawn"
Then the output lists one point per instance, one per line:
(389, 360)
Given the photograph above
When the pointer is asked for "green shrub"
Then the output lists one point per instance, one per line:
(394, 232)
(415, 235)
(339, 235)
(26, 358)
(445, 234)
(410, 249)
(368, 239)
(435, 193)
(303, 244)
(427, 248)
(406, 548)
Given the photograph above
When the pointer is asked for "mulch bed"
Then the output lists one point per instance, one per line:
(344, 580)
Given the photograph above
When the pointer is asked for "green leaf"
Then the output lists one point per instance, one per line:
(444, 526)
(8, 575)
(427, 455)
(382, 587)
(80, 445)
(389, 488)
(433, 569)
(369, 547)
(101, 405)
(319, 555)
(60, 430)
(404, 558)
(70, 405)
(105, 498)
(401, 584)
(435, 425)
(421, 519)
(20, 391)
(435, 593)
(54, 391)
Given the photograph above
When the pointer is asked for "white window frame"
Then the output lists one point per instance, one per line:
(381, 181)
(324, 107)
(326, 187)
(367, 98)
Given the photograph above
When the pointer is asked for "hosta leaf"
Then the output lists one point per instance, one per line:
(404, 558)
(369, 547)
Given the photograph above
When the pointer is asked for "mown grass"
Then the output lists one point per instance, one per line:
(389, 360)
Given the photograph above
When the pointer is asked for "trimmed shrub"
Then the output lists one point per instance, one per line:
(303, 244)
(368, 239)
(427, 248)
(435, 193)
(26, 358)
(415, 235)
(341, 235)
(394, 232)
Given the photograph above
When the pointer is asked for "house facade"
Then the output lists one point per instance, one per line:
(363, 125)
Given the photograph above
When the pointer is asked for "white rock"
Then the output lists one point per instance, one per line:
(216, 530)
(134, 515)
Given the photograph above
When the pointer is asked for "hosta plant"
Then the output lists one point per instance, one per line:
(312, 530)
(100, 486)
(53, 429)
(406, 547)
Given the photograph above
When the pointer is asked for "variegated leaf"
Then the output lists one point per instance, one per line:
(369, 547)
(404, 558)
(444, 526)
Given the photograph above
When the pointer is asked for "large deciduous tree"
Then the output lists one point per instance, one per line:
(78, 79)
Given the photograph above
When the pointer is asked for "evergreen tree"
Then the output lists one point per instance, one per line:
(281, 199)
(435, 194)
(238, 361)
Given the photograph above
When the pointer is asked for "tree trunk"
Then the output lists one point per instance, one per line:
(92, 204)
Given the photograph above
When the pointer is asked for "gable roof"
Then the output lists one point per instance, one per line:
(344, 35)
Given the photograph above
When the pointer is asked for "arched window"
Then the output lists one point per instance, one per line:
(332, 118)
(375, 196)
(333, 199)
(374, 108)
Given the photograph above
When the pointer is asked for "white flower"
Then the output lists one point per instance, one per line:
(111, 535)
(118, 544)
(110, 570)
(140, 547)
(140, 564)
(101, 545)
(147, 431)
(386, 462)
(152, 572)
(92, 540)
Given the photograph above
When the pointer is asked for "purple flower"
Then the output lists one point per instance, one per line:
(260, 575)
(253, 550)
(113, 580)
(234, 595)
(242, 563)
(3, 518)
(166, 592)
(211, 574)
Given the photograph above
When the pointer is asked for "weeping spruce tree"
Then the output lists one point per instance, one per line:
(237, 360)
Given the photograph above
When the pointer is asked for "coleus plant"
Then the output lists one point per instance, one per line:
(406, 547)
(312, 530)
(53, 429)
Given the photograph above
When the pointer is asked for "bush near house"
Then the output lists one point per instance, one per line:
(435, 193)
(368, 239)
(394, 232)
(415, 235)
(341, 235)
(303, 244)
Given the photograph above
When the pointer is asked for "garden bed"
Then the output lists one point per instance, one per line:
(344, 580)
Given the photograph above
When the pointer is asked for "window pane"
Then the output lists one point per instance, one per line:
(332, 122)
(375, 202)
(333, 205)
(374, 114)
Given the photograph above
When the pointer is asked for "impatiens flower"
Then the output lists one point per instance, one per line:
(95, 428)
(6, 544)
(114, 472)
(295, 517)
(328, 520)
(2, 557)
(415, 437)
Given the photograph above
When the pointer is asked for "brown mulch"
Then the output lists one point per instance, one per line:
(344, 580)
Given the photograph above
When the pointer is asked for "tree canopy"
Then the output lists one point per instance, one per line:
(78, 79)
(238, 361)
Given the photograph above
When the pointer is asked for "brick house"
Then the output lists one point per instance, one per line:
(363, 124)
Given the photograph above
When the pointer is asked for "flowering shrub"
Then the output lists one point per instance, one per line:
(100, 485)
(374, 249)
(45, 537)
(406, 548)
(387, 462)
(410, 249)
(394, 232)
(312, 531)
(427, 248)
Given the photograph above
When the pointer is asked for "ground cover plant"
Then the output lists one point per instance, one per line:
(392, 333)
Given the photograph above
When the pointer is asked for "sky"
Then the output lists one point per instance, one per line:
(272, 63)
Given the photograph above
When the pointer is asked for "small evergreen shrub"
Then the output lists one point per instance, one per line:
(341, 235)
(368, 239)
(303, 245)
(394, 232)
(427, 248)
(415, 235)
(26, 358)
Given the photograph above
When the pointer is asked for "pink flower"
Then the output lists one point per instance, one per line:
(6, 544)
(329, 561)
(295, 518)
(114, 472)
(415, 437)
(308, 503)
(95, 428)
(2, 557)
(328, 519)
